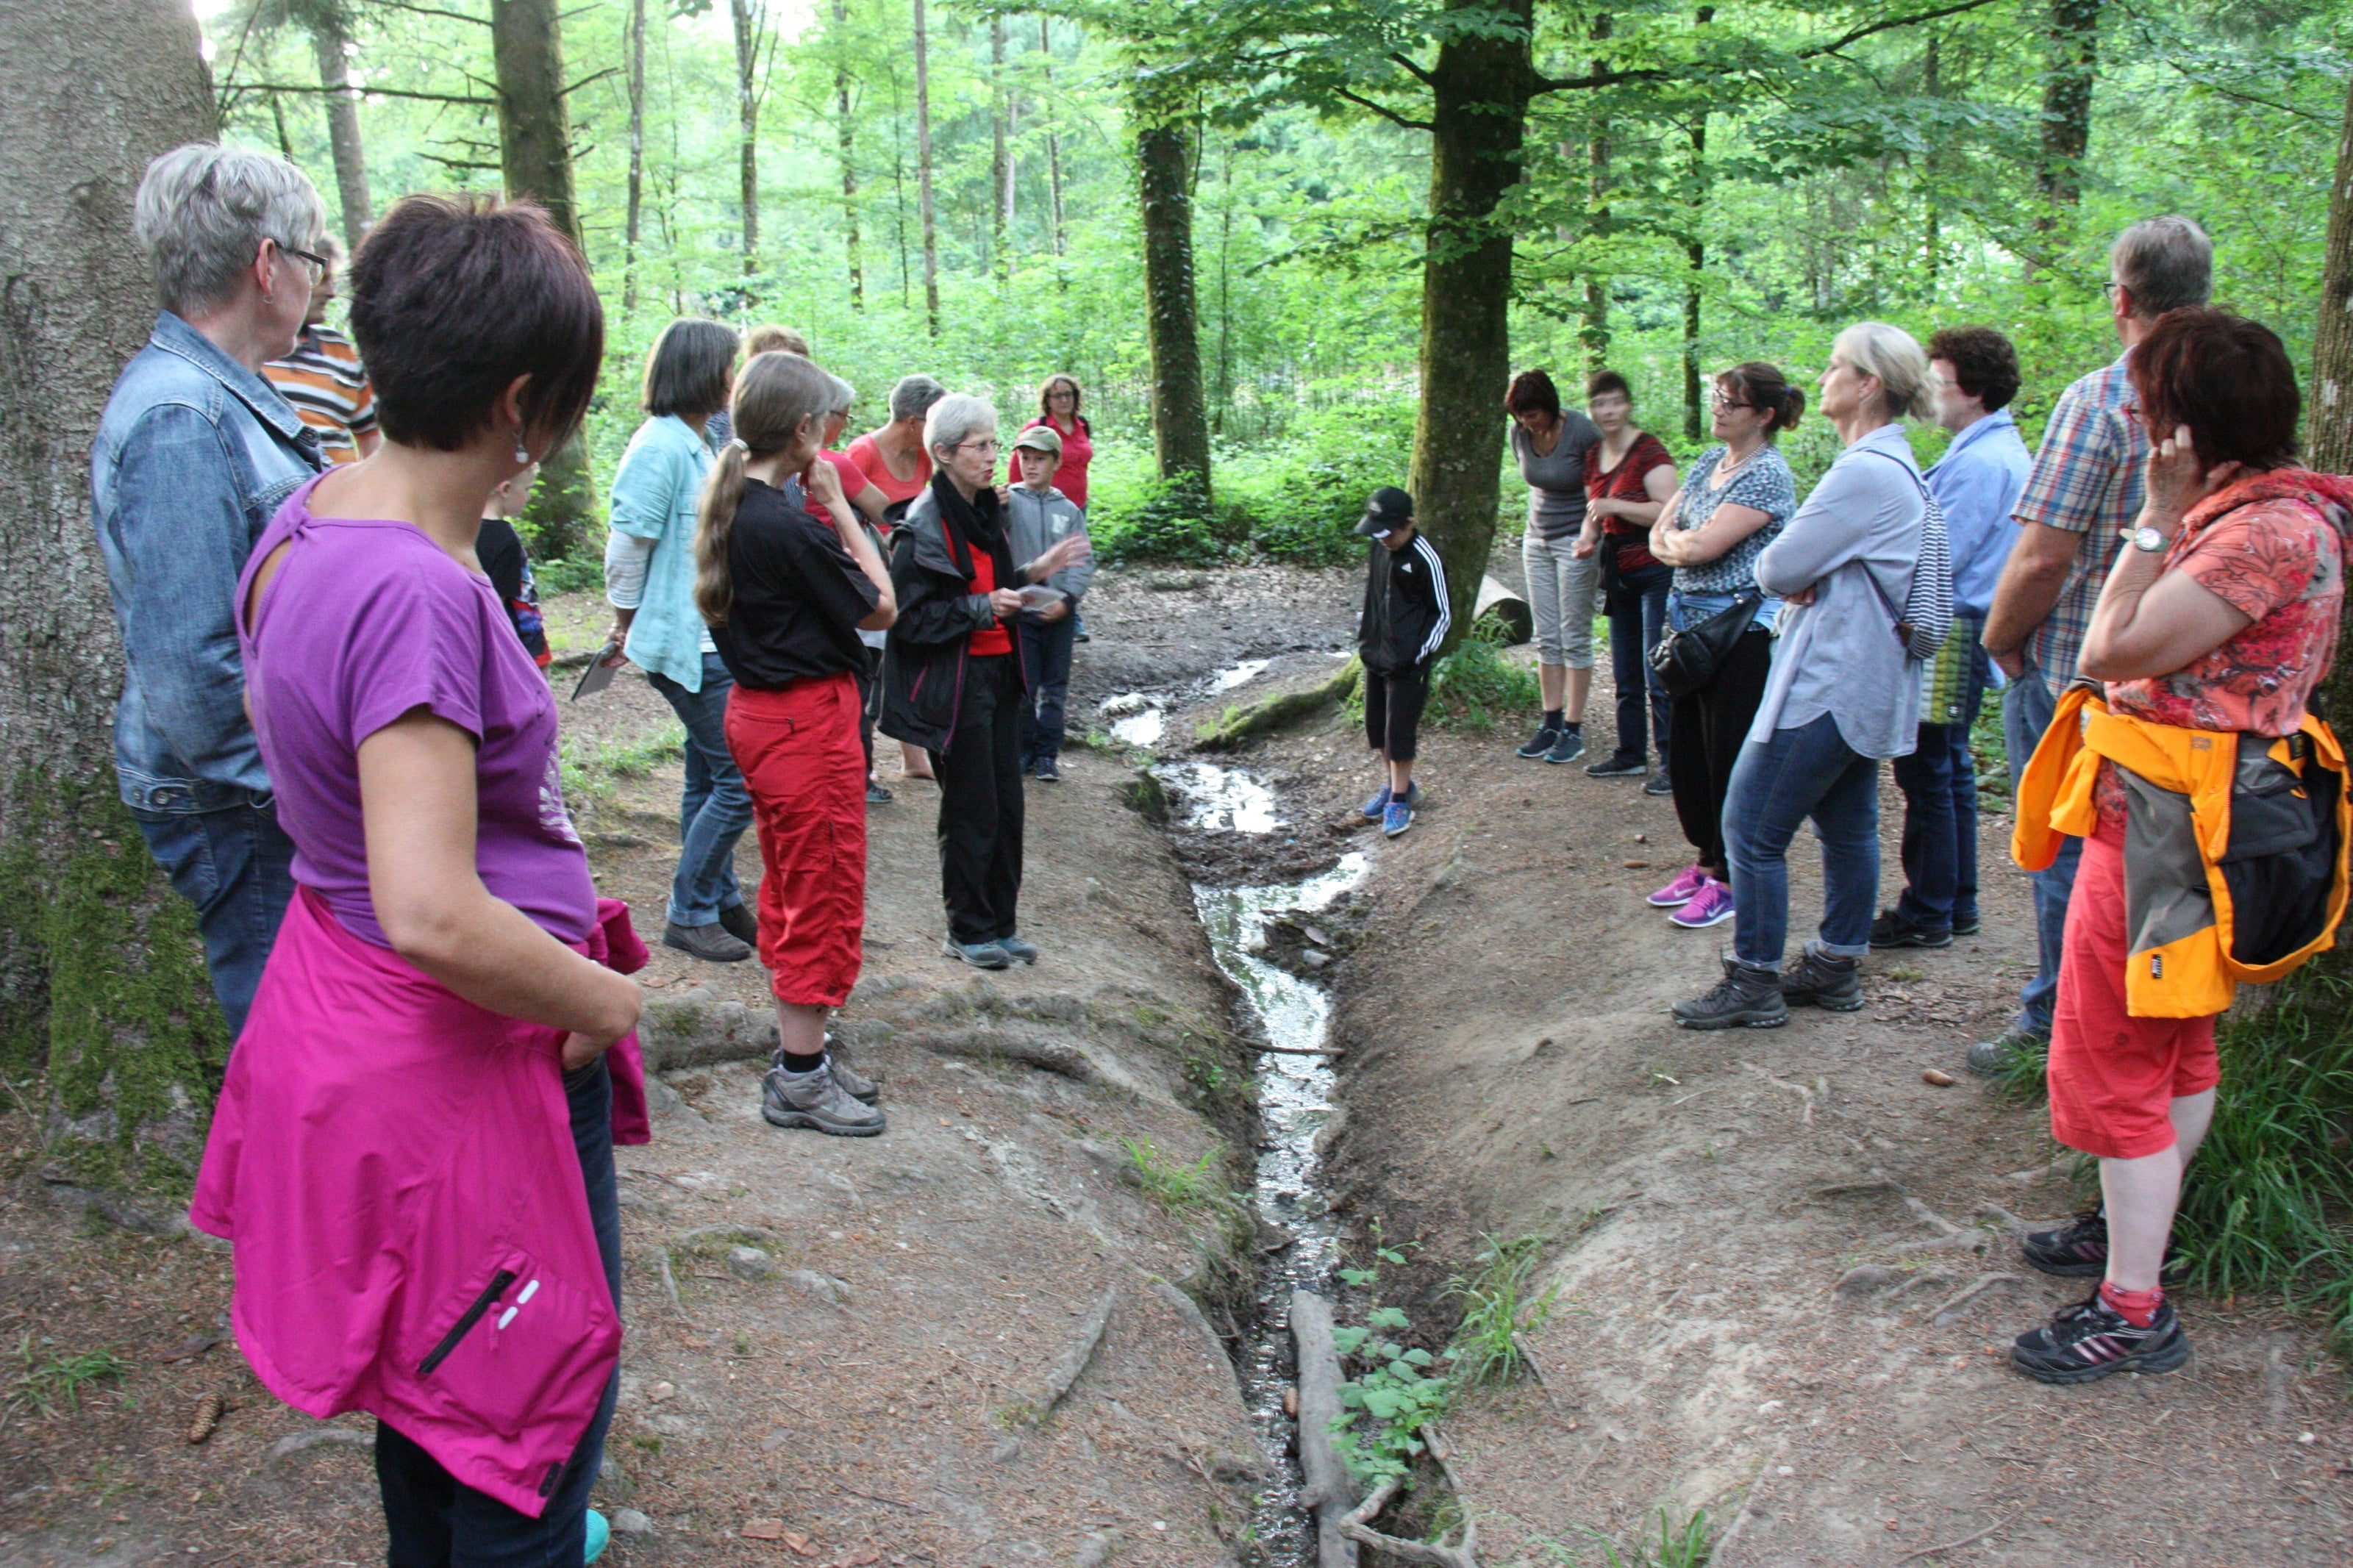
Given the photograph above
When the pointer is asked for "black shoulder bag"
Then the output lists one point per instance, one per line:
(1688, 661)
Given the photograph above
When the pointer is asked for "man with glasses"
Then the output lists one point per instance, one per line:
(2085, 490)
(323, 378)
(195, 452)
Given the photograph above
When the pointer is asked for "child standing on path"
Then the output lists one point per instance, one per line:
(1406, 618)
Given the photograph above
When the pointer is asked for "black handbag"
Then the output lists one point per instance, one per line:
(1686, 662)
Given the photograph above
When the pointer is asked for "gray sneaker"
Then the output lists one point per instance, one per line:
(816, 1099)
(855, 1084)
(1569, 748)
(1019, 951)
(1991, 1059)
(979, 954)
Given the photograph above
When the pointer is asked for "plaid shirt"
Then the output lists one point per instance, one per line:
(2086, 480)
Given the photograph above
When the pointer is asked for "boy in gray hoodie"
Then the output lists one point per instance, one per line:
(1038, 516)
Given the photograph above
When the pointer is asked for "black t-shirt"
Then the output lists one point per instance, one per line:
(504, 561)
(798, 597)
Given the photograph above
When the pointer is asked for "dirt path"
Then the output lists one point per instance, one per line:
(1512, 1071)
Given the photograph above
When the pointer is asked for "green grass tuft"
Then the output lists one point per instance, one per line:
(1497, 1310)
(1173, 1185)
(52, 1384)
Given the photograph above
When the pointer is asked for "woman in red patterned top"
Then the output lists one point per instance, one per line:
(1628, 476)
(2220, 614)
(1058, 406)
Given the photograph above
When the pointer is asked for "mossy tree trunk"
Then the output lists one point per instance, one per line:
(535, 161)
(1172, 318)
(107, 1021)
(1480, 87)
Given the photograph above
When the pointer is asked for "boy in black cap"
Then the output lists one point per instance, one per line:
(1406, 617)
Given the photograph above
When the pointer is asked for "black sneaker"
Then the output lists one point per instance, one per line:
(1659, 783)
(1618, 765)
(1891, 929)
(1967, 925)
(2079, 1249)
(1992, 1058)
(1569, 747)
(1745, 998)
(741, 924)
(1538, 743)
(1833, 985)
(2090, 1339)
(876, 795)
(1045, 770)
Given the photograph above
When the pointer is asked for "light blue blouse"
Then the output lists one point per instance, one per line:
(655, 493)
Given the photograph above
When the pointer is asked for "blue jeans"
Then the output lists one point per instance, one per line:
(1808, 771)
(716, 808)
(1940, 819)
(236, 867)
(1045, 655)
(2026, 709)
(434, 1520)
(1637, 619)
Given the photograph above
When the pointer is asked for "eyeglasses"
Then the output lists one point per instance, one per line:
(1060, 393)
(988, 445)
(2110, 288)
(1718, 401)
(320, 265)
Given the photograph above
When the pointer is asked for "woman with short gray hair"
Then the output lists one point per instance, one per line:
(1867, 585)
(194, 454)
(952, 682)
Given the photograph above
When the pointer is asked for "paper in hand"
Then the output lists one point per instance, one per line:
(1038, 596)
(599, 673)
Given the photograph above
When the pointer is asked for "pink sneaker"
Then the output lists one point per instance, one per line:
(1710, 905)
(1682, 891)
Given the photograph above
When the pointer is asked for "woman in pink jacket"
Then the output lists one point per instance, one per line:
(414, 1148)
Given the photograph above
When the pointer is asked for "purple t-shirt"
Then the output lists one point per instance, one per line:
(365, 621)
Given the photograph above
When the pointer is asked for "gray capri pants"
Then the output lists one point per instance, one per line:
(1560, 598)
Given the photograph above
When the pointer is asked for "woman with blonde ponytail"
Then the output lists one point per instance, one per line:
(785, 596)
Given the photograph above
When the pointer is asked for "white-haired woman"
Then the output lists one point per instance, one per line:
(952, 680)
(195, 452)
(1843, 693)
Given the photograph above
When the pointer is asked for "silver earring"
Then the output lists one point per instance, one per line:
(523, 453)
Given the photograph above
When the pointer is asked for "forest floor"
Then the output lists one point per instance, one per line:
(865, 1392)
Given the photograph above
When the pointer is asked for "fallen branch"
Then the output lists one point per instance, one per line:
(1277, 713)
(1296, 1051)
(1330, 1492)
(991, 1045)
(1065, 1373)
(1951, 1310)
(1438, 1553)
(1805, 1095)
(1952, 1545)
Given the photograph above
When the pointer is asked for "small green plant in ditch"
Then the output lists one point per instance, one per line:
(1170, 1182)
(1398, 1395)
(1475, 682)
(52, 1384)
(1685, 1545)
(1496, 1311)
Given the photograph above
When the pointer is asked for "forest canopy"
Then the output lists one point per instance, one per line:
(1695, 186)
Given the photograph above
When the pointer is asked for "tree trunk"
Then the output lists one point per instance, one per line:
(847, 138)
(747, 116)
(1932, 237)
(1596, 222)
(1695, 258)
(1480, 88)
(1053, 138)
(2074, 53)
(1163, 151)
(535, 159)
(1000, 166)
(334, 46)
(2328, 443)
(923, 175)
(636, 156)
(102, 984)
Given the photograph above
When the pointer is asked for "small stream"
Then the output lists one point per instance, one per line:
(1294, 1092)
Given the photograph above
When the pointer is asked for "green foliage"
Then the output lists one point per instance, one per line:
(1471, 686)
(1398, 1392)
(555, 577)
(1689, 1544)
(1158, 519)
(1496, 1311)
(590, 774)
(52, 1384)
(1170, 1182)
(1302, 498)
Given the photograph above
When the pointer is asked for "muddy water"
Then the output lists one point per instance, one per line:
(1296, 1230)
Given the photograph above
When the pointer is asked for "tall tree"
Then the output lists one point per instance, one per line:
(1000, 165)
(2071, 46)
(1054, 137)
(1164, 176)
(535, 163)
(2329, 440)
(1695, 268)
(636, 90)
(749, 29)
(330, 37)
(102, 986)
(1596, 333)
(846, 135)
(923, 174)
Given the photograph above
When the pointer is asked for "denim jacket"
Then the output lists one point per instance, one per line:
(195, 452)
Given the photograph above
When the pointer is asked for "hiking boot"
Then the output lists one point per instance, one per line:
(1047, 771)
(1891, 929)
(714, 943)
(1537, 744)
(1833, 985)
(816, 1099)
(1991, 1059)
(1746, 997)
(1682, 891)
(2090, 1339)
(979, 954)
(855, 1084)
(1017, 950)
(740, 922)
(1710, 905)
(1659, 783)
(1398, 817)
(1568, 748)
(1618, 765)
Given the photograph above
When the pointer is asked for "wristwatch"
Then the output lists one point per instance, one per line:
(2149, 539)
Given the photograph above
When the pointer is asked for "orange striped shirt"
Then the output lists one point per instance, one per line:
(324, 380)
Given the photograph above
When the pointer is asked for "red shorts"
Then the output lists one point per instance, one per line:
(806, 770)
(2113, 1077)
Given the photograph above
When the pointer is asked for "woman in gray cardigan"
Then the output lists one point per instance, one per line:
(1844, 690)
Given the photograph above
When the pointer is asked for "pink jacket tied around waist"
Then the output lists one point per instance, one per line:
(396, 1166)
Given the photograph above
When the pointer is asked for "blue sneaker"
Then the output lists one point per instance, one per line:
(1378, 803)
(600, 1535)
(1398, 816)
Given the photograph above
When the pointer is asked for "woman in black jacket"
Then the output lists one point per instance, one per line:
(953, 683)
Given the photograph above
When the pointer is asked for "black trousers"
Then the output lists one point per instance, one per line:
(870, 681)
(1393, 711)
(980, 802)
(434, 1520)
(1709, 727)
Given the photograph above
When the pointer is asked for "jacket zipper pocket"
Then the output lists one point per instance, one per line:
(482, 1303)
